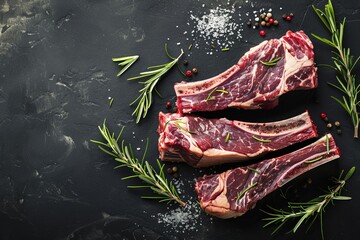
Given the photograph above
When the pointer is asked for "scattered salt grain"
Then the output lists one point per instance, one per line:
(138, 149)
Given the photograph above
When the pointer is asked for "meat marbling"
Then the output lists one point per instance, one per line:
(202, 142)
(250, 84)
(224, 195)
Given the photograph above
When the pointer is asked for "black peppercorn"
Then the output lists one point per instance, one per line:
(186, 62)
(248, 23)
(284, 16)
(169, 170)
(325, 119)
(256, 24)
(175, 175)
(175, 109)
(338, 131)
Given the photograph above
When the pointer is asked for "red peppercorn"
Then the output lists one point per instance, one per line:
(188, 73)
(262, 33)
(271, 20)
(168, 104)
(323, 115)
(288, 18)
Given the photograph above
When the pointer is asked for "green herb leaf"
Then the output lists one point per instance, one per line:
(254, 170)
(227, 138)
(209, 97)
(125, 62)
(272, 62)
(261, 140)
(242, 193)
(314, 160)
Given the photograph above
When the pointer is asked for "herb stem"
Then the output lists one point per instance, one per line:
(156, 181)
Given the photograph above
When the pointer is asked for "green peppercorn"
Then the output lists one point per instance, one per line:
(269, 15)
(337, 124)
(267, 19)
(174, 169)
(329, 125)
(169, 170)
(262, 16)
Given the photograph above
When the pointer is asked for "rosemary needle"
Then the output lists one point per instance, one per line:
(344, 64)
(163, 189)
(125, 63)
(144, 100)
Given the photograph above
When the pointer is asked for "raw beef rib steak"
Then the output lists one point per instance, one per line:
(234, 192)
(202, 142)
(252, 83)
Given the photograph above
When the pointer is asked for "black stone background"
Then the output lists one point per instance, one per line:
(55, 79)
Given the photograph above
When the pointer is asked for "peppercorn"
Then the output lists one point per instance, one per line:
(288, 18)
(168, 104)
(188, 73)
(338, 131)
(175, 109)
(269, 15)
(256, 24)
(329, 125)
(268, 24)
(276, 22)
(325, 119)
(267, 19)
(186, 62)
(284, 16)
(194, 70)
(291, 14)
(322, 115)
(248, 23)
(262, 16)
(337, 124)
(174, 169)
(263, 23)
(175, 175)
(169, 170)
(271, 20)
(262, 33)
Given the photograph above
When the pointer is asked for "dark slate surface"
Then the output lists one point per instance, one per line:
(55, 80)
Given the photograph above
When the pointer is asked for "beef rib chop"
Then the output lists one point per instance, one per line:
(252, 83)
(234, 192)
(202, 142)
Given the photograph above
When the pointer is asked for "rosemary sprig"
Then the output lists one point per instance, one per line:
(144, 100)
(242, 193)
(314, 160)
(343, 64)
(164, 190)
(125, 62)
(261, 139)
(313, 209)
(272, 62)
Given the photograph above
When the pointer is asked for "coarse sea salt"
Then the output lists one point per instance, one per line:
(182, 220)
(219, 25)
